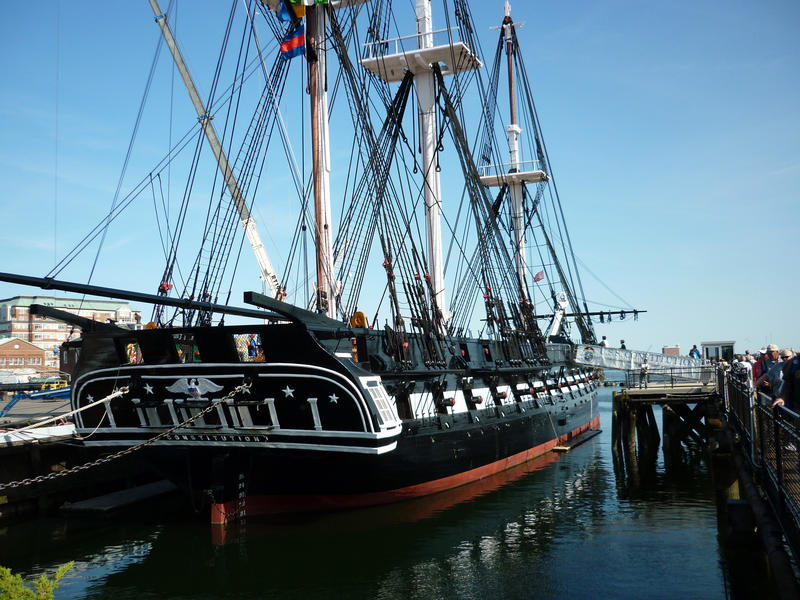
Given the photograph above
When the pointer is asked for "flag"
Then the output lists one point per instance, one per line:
(286, 16)
(294, 44)
(539, 276)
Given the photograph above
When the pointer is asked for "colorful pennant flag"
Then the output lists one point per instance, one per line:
(294, 44)
(539, 276)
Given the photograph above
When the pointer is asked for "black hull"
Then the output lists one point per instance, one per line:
(428, 459)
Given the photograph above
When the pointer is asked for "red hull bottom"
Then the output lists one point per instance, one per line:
(223, 513)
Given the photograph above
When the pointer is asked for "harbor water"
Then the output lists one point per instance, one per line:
(568, 525)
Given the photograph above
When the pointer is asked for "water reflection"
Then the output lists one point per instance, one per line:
(391, 552)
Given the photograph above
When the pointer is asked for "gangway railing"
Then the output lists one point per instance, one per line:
(621, 359)
(676, 377)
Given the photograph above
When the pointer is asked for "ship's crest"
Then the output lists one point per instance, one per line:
(194, 386)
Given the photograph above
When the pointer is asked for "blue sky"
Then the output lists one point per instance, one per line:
(673, 130)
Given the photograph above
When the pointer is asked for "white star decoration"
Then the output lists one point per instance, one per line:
(90, 398)
(334, 398)
(288, 391)
(148, 388)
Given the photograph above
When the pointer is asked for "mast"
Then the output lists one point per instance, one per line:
(327, 291)
(390, 61)
(426, 98)
(268, 276)
(515, 188)
(516, 172)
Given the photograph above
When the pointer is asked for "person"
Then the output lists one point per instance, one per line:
(253, 348)
(622, 344)
(762, 354)
(643, 369)
(771, 375)
(604, 342)
(694, 352)
(742, 369)
(789, 396)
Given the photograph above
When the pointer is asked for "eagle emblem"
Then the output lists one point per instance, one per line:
(194, 387)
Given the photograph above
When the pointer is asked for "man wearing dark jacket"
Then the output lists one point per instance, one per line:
(790, 390)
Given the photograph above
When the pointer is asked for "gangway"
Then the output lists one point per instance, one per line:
(620, 359)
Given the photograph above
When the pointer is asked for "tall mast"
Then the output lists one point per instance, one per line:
(316, 19)
(515, 188)
(426, 97)
(268, 275)
(516, 172)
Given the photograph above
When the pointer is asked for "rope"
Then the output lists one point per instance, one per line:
(116, 394)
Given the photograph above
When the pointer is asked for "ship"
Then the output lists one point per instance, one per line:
(300, 401)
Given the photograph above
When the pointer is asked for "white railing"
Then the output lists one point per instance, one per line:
(504, 168)
(382, 47)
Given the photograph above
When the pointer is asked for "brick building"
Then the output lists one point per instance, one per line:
(20, 357)
(16, 321)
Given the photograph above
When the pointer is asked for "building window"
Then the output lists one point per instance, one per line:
(2, 361)
(35, 360)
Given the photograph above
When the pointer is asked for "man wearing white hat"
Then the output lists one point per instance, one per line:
(759, 364)
(770, 375)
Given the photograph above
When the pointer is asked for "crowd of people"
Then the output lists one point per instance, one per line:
(774, 371)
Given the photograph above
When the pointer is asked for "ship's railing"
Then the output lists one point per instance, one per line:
(771, 440)
(441, 37)
(499, 169)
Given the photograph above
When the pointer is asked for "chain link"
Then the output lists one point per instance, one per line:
(126, 451)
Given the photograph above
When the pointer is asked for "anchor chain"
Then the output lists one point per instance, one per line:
(126, 451)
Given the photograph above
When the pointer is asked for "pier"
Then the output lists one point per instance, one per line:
(685, 405)
(38, 457)
(754, 452)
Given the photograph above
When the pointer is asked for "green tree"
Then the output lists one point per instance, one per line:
(12, 587)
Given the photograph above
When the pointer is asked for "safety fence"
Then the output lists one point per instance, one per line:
(771, 438)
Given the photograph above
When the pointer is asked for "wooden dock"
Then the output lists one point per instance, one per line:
(44, 451)
(688, 410)
(121, 499)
